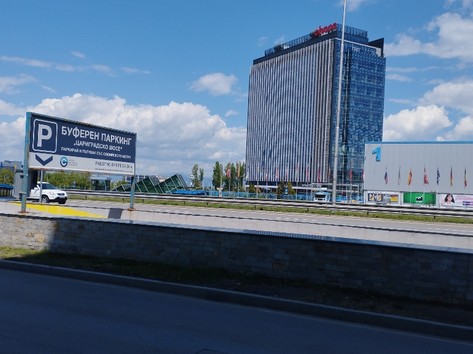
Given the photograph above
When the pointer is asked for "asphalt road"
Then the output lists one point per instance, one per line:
(47, 314)
(436, 234)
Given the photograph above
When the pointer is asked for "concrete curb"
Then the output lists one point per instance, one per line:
(348, 315)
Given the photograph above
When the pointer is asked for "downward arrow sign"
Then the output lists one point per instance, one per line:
(43, 162)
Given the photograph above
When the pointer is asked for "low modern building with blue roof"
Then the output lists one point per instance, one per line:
(429, 173)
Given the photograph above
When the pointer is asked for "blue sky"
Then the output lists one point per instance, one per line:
(176, 71)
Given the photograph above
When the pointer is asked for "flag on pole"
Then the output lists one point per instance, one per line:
(465, 181)
(399, 176)
(426, 179)
(438, 176)
(386, 175)
(409, 177)
(451, 176)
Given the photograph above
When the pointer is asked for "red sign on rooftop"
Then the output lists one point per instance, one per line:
(324, 30)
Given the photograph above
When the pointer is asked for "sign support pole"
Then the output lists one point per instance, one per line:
(132, 193)
(25, 186)
(41, 176)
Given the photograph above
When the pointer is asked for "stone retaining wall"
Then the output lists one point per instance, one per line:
(423, 274)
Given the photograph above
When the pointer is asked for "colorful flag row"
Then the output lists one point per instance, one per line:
(425, 177)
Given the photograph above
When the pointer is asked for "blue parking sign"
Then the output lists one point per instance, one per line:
(44, 136)
(55, 143)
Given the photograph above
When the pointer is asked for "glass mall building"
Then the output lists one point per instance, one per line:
(292, 108)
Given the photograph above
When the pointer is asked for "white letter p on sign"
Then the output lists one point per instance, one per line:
(44, 133)
(44, 136)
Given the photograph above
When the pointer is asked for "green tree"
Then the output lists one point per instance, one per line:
(6, 176)
(201, 177)
(59, 179)
(280, 190)
(290, 190)
(195, 177)
(62, 179)
(217, 175)
(230, 177)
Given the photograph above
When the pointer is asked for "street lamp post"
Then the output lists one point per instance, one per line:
(337, 126)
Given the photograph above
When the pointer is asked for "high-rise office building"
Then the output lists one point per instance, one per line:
(292, 108)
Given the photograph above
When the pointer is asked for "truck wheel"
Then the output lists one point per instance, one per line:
(44, 199)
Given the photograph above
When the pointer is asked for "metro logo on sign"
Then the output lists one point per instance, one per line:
(44, 136)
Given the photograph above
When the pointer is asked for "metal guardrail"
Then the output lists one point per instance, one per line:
(355, 208)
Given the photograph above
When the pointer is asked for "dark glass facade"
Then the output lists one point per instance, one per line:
(362, 107)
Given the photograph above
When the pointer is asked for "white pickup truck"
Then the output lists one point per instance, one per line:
(49, 193)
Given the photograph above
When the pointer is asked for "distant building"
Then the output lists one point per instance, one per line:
(12, 165)
(292, 108)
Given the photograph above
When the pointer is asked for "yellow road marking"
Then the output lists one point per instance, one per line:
(61, 210)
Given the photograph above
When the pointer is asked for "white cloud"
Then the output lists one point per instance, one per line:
(457, 94)
(398, 77)
(48, 89)
(353, 5)
(9, 109)
(403, 101)
(78, 54)
(231, 113)
(12, 134)
(420, 123)
(171, 138)
(41, 64)
(454, 40)
(101, 68)
(9, 84)
(280, 40)
(262, 41)
(26, 61)
(405, 45)
(463, 130)
(429, 121)
(465, 3)
(217, 84)
(129, 70)
(38, 63)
